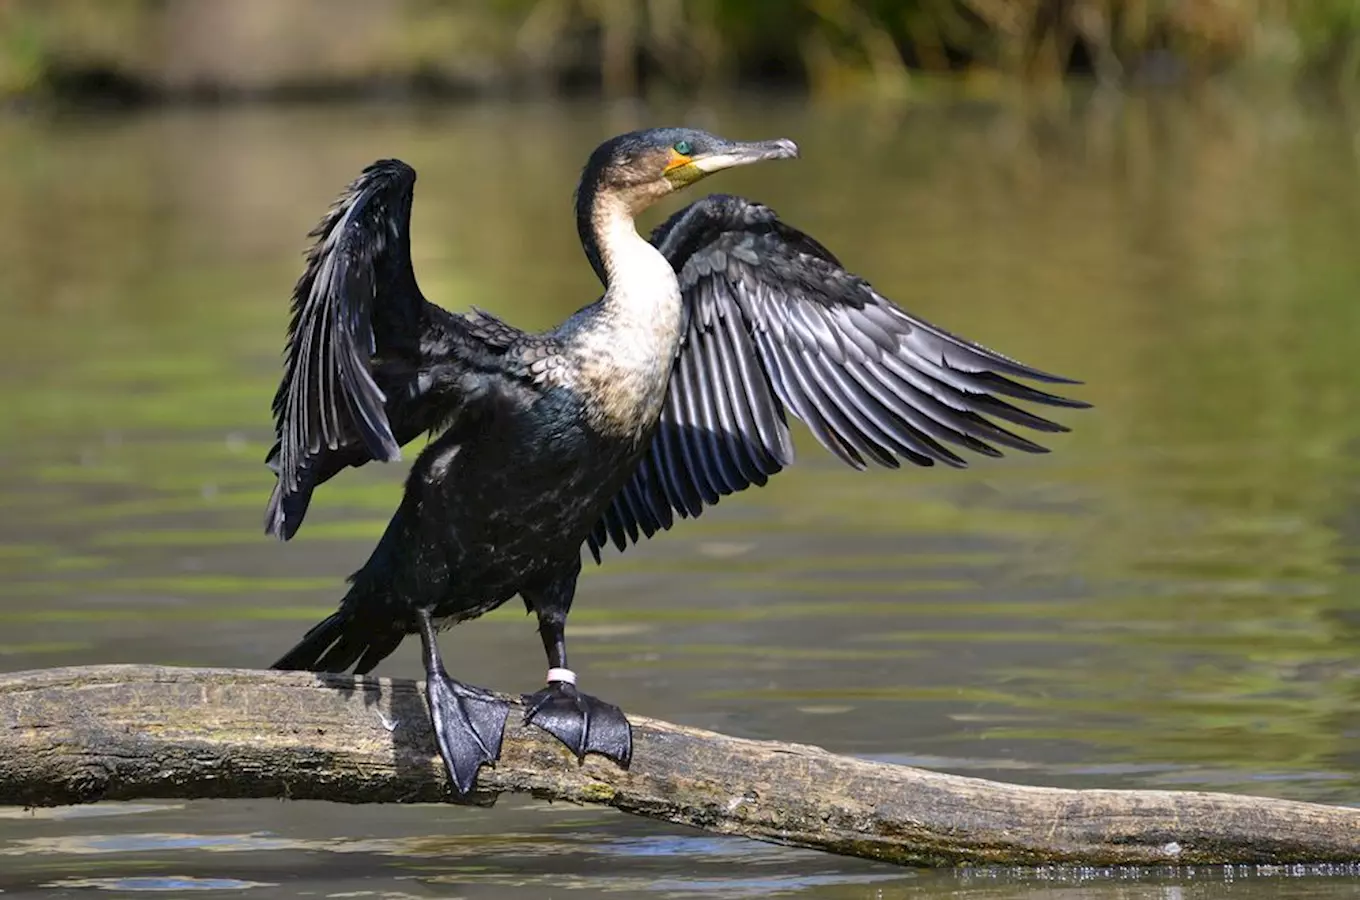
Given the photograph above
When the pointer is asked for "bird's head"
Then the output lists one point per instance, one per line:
(641, 167)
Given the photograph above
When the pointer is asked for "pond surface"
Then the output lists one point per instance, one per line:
(1169, 600)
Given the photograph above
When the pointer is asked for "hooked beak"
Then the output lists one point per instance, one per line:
(743, 154)
(687, 170)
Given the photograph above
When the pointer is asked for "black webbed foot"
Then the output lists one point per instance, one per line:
(584, 723)
(468, 721)
(468, 725)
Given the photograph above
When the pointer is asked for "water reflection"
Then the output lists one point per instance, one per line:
(1165, 600)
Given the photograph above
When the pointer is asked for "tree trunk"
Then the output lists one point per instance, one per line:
(78, 735)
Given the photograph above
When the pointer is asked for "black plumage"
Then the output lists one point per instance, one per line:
(666, 394)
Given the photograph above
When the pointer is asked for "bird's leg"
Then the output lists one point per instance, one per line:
(468, 722)
(584, 723)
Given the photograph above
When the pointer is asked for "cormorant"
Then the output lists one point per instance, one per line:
(664, 395)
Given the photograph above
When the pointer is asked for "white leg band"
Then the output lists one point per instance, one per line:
(563, 675)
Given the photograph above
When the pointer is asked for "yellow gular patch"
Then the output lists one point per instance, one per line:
(677, 160)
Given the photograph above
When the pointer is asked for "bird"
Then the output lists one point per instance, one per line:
(669, 392)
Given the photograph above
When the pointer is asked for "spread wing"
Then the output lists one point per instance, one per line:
(775, 323)
(370, 364)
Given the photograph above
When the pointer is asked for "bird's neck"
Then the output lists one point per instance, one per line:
(640, 286)
(627, 350)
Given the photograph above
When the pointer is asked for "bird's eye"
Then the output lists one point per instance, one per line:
(684, 148)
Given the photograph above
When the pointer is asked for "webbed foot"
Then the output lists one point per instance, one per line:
(584, 723)
(468, 724)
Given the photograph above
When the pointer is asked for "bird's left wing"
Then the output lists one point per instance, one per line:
(775, 322)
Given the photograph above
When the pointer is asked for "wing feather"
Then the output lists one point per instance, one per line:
(369, 364)
(775, 323)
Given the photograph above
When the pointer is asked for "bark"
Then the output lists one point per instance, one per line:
(79, 735)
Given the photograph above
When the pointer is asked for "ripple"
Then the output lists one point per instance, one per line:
(160, 883)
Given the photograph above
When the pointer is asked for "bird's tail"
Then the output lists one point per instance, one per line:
(341, 642)
(367, 627)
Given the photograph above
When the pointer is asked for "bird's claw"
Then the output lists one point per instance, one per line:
(585, 724)
(468, 725)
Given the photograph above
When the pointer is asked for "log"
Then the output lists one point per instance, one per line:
(80, 735)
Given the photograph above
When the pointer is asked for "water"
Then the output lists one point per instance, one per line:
(1168, 600)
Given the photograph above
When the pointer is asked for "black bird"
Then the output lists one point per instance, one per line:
(653, 402)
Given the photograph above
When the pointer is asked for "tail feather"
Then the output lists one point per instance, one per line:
(377, 651)
(341, 641)
(368, 626)
(344, 653)
(314, 644)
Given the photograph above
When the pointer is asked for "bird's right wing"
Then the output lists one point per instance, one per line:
(370, 364)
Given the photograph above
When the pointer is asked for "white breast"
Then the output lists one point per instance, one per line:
(627, 353)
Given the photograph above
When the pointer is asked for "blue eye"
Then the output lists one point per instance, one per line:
(684, 148)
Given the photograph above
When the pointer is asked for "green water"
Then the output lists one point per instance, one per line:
(1168, 600)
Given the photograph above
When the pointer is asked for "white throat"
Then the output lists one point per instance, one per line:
(640, 280)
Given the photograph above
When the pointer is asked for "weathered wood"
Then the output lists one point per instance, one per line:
(78, 735)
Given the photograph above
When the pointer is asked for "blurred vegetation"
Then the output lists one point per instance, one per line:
(145, 49)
